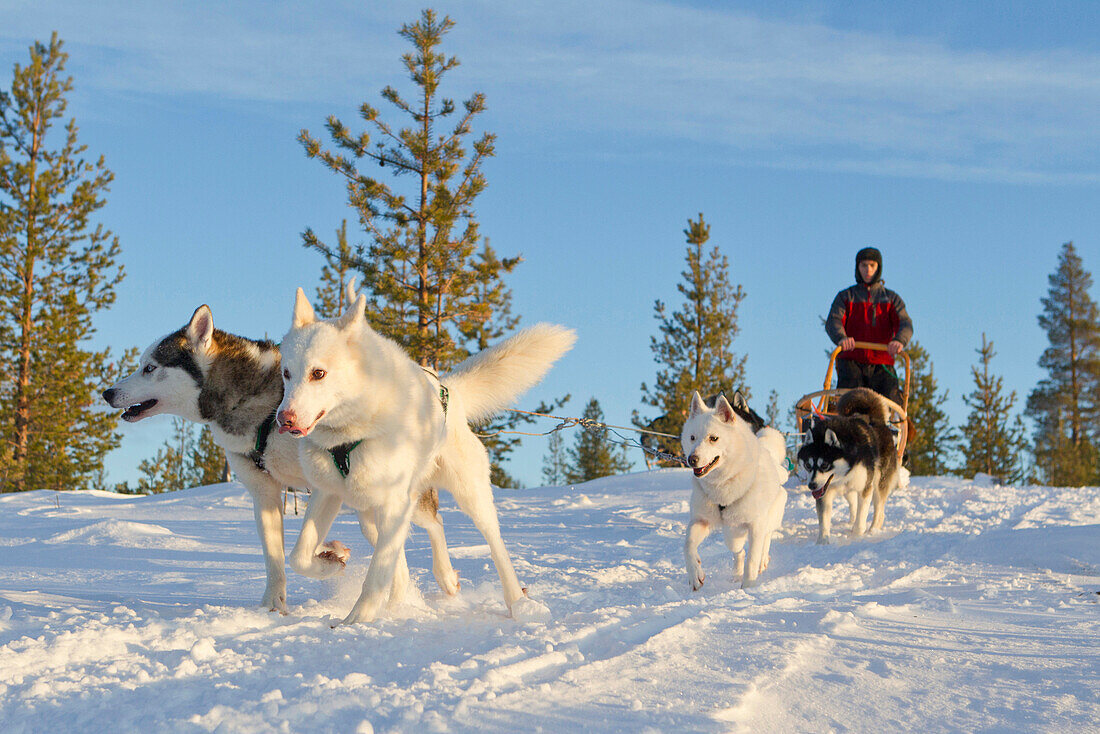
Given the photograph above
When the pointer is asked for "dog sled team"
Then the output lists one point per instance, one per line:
(343, 411)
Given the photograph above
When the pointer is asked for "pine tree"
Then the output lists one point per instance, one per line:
(168, 470)
(57, 270)
(772, 411)
(992, 442)
(1066, 405)
(694, 349)
(935, 439)
(593, 455)
(555, 465)
(422, 269)
(183, 461)
(331, 296)
(207, 461)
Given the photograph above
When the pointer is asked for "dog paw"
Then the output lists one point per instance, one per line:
(824, 540)
(274, 600)
(335, 552)
(449, 583)
(275, 605)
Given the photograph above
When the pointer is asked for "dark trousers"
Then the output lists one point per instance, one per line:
(879, 377)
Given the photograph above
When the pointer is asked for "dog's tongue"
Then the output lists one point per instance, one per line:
(820, 492)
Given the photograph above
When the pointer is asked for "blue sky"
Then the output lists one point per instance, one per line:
(959, 138)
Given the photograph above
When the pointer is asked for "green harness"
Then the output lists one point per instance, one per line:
(341, 455)
(262, 434)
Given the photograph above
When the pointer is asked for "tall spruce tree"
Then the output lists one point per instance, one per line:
(593, 454)
(422, 269)
(1066, 404)
(935, 440)
(992, 441)
(57, 270)
(694, 349)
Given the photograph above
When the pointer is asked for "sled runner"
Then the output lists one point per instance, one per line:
(823, 402)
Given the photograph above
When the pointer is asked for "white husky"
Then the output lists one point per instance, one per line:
(737, 485)
(378, 429)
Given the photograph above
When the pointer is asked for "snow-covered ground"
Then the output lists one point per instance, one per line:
(977, 610)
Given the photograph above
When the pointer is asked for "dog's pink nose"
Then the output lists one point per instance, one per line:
(286, 418)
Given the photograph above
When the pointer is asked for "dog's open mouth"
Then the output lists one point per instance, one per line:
(135, 412)
(820, 491)
(702, 470)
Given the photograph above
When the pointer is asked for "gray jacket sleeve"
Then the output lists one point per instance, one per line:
(834, 323)
(905, 324)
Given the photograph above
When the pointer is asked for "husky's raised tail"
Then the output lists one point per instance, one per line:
(493, 379)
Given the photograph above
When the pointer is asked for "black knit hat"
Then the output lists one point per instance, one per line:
(869, 253)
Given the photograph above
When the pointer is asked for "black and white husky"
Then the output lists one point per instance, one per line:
(737, 484)
(854, 454)
(234, 386)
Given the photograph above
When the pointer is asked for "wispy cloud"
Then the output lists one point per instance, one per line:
(643, 74)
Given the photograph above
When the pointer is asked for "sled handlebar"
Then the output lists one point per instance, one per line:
(878, 348)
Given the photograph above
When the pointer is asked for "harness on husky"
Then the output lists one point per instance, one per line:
(341, 455)
(444, 393)
(262, 434)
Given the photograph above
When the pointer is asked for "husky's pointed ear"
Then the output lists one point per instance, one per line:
(724, 410)
(200, 330)
(350, 294)
(354, 314)
(303, 311)
(831, 438)
(739, 401)
(697, 405)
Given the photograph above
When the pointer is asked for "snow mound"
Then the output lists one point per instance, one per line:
(125, 534)
(526, 609)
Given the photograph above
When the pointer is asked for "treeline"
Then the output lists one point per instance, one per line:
(412, 174)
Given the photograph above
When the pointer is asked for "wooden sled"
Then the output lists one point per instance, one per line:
(826, 399)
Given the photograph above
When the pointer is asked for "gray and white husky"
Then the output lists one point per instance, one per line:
(737, 484)
(376, 430)
(852, 453)
(234, 385)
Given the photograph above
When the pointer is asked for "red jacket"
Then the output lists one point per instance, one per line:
(869, 313)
